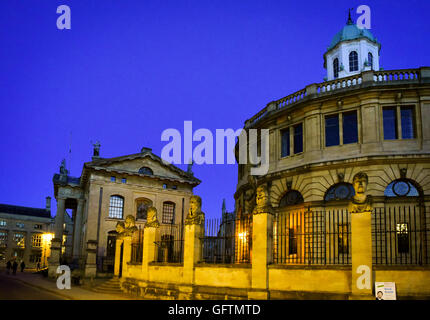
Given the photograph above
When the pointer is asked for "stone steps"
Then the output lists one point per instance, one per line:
(110, 286)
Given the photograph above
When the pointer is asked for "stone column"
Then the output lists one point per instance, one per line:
(118, 244)
(91, 263)
(361, 255)
(262, 236)
(77, 230)
(54, 259)
(149, 248)
(126, 254)
(360, 209)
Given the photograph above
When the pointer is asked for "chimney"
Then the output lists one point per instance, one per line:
(48, 203)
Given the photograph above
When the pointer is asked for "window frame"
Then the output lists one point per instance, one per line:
(291, 133)
(336, 68)
(112, 213)
(340, 115)
(354, 62)
(168, 217)
(398, 121)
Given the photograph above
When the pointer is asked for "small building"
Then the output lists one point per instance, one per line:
(25, 234)
(109, 190)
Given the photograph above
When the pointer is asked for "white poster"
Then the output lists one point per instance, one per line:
(385, 290)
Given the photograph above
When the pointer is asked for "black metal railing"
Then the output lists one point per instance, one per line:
(137, 246)
(305, 236)
(400, 235)
(170, 244)
(228, 240)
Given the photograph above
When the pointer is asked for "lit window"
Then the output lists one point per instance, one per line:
(402, 238)
(116, 207)
(20, 225)
(298, 138)
(124, 180)
(292, 241)
(350, 128)
(370, 60)
(336, 67)
(36, 240)
(3, 239)
(285, 142)
(113, 179)
(3, 223)
(19, 239)
(168, 212)
(332, 130)
(353, 61)
(38, 226)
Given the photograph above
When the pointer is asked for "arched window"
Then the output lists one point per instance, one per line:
(168, 212)
(340, 191)
(336, 67)
(353, 61)
(291, 198)
(142, 206)
(146, 170)
(370, 60)
(401, 188)
(116, 207)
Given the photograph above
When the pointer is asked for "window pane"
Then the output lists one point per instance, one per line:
(285, 142)
(390, 123)
(336, 68)
(353, 61)
(370, 60)
(350, 129)
(407, 115)
(116, 207)
(168, 212)
(298, 138)
(332, 130)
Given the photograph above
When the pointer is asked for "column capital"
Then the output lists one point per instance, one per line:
(61, 198)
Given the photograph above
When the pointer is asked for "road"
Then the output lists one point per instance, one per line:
(11, 289)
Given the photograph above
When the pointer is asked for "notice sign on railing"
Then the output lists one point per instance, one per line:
(385, 290)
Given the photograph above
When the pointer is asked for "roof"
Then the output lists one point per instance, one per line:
(24, 211)
(99, 165)
(351, 32)
(70, 180)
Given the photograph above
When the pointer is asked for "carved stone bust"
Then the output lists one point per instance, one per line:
(195, 214)
(127, 228)
(262, 200)
(152, 218)
(360, 202)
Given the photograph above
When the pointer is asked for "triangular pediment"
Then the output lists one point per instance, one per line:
(133, 163)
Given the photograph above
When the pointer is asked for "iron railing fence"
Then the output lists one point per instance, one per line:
(312, 237)
(228, 240)
(137, 246)
(400, 235)
(170, 243)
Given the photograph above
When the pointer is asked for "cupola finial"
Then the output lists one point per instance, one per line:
(349, 16)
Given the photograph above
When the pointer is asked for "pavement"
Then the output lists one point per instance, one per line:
(28, 285)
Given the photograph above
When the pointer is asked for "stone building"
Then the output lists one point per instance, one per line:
(26, 233)
(109, 190)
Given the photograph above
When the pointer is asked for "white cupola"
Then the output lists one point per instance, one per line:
(352, 51)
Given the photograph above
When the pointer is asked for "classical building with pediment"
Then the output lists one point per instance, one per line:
(109, 190)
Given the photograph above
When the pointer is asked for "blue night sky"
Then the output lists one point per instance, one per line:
(128, 69)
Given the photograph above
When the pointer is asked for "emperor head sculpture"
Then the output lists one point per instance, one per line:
(262, 200)
(152, 218)
(126, 228)
(360, 202)
(195, 213)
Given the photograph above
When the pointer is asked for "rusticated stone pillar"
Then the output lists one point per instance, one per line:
(262, 235)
